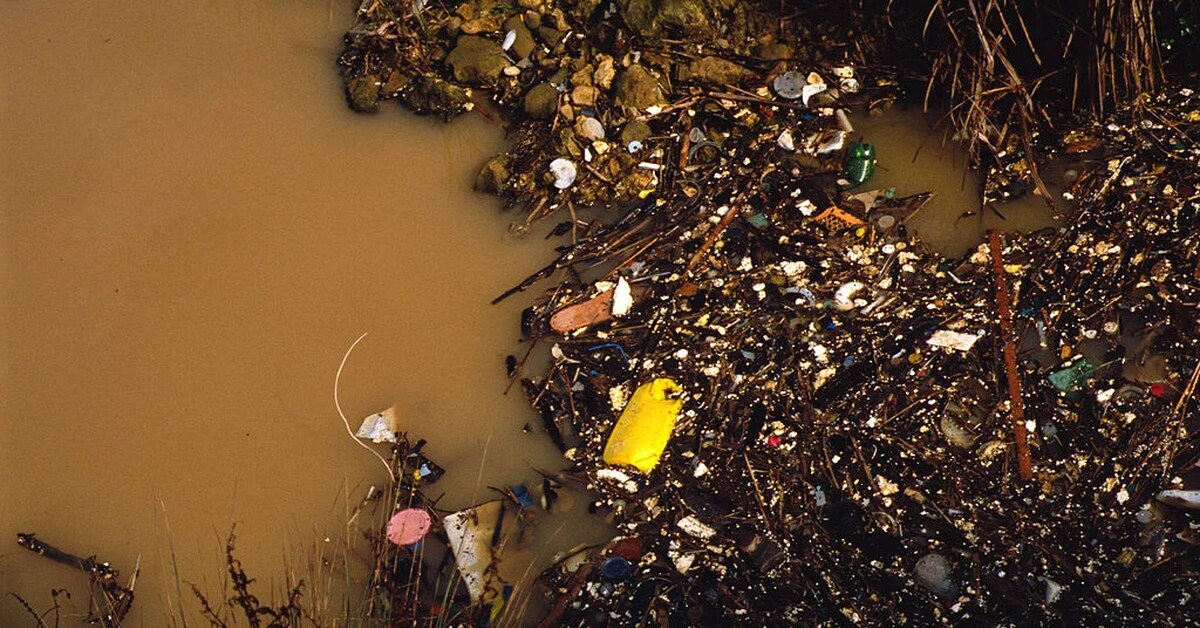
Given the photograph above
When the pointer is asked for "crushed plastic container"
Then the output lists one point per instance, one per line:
(860, 163)
(645, 425)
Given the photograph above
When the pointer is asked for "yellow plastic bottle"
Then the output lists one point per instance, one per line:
(645, 425)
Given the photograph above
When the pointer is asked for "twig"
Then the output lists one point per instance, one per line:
(1024, 466)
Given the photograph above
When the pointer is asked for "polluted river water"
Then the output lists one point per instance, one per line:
(195, 229)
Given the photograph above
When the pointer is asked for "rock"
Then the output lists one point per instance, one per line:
(640, 16)
(584, 95)
(714, 71)
(636, 87)
(478, 25)
(934, 573)
(533, 19)
(549, 35)
(476, 60)
(649, 17)
(524, 43)
(492, 176)
(363, 93)
(689, 16)
(773, 52)
(541, 101)
(605, 71)
(430, 94)
(533, 5)
(634, 131)
(395, 83)
(589, 128)
(583, 76)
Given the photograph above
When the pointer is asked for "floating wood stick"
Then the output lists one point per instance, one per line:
(1010, 357)
(110, 600)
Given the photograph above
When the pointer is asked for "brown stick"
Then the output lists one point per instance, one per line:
(1010, 357)
(713, 235)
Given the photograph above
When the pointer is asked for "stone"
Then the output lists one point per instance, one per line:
(641, 16)
(524, 44)
(493, 175)
(714, 71)
(605, 71)
(634, 131)
(549, 35)
(636, 87)
(589, 128)
(688, 16)
(541, 101)
(363, 93)
(430, 94)
(773, 52)
(584, 95)
(935, 574)
(476, 60)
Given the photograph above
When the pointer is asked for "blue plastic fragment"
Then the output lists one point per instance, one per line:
(521, 492)
(616, 569)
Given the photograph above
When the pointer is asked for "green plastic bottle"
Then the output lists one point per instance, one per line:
(860, 163)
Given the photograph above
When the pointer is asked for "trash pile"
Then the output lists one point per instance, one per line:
(840, 429)
(792, 410)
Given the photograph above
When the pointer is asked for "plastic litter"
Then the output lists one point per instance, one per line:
(470, 533)
(860, 163)
(645, 425)
(380, 427)
(564, 173)
(408, 526)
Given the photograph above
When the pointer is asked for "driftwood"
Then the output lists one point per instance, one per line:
(111, 600)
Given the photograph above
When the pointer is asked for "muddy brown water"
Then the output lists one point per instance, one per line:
(195, 229)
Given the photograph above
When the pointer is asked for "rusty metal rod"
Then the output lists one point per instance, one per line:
(1003, 310)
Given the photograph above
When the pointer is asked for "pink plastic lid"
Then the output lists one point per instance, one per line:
(408, 526)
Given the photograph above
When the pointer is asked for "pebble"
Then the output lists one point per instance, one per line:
(933, 572)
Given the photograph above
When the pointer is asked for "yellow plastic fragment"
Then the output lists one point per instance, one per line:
(645, 425)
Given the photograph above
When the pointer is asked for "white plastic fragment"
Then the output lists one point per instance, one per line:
(810, 90)
(622, 298)
(834, 143)
(785, 140)
(952, 340)
(843, 298)
(470, 534)
(564, 173)
(618, 396)
(696, 528)
(1053, 591)
(683, 562)
(510, 38)
(789, 85)
(618, 476)
(843, 121)
(380, 427)
(1184, 500)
